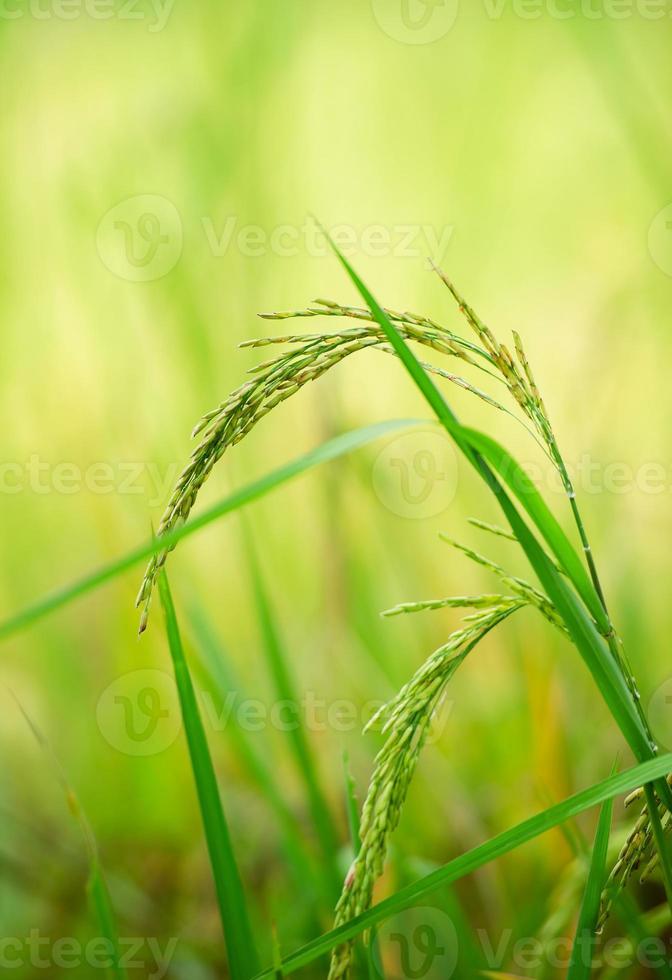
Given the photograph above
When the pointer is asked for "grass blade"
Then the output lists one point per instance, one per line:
(232, 907)
(479, 856)
(218, 670)
(582, 950)
(278, 666)
(102, 907)
(333, 449)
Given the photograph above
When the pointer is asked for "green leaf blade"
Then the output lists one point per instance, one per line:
(582, 950)
(218, 672)
(102, 906)
(333, 449)
(278, 665)
(478, 857)
(243, 961)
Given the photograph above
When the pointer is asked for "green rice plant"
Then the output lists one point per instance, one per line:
(571, 597)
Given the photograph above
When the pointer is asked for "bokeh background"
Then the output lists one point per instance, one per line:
(160, 167)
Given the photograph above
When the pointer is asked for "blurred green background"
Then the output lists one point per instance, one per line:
(160, 165)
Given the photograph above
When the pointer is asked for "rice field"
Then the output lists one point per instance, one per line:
(243, 769)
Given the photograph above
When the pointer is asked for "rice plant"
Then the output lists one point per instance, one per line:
(570, 597)
(567, 594)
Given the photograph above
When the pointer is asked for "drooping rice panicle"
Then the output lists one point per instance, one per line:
(639, 847)
(406, 722)
(276, 380)
(406, 718)
(280, 377)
